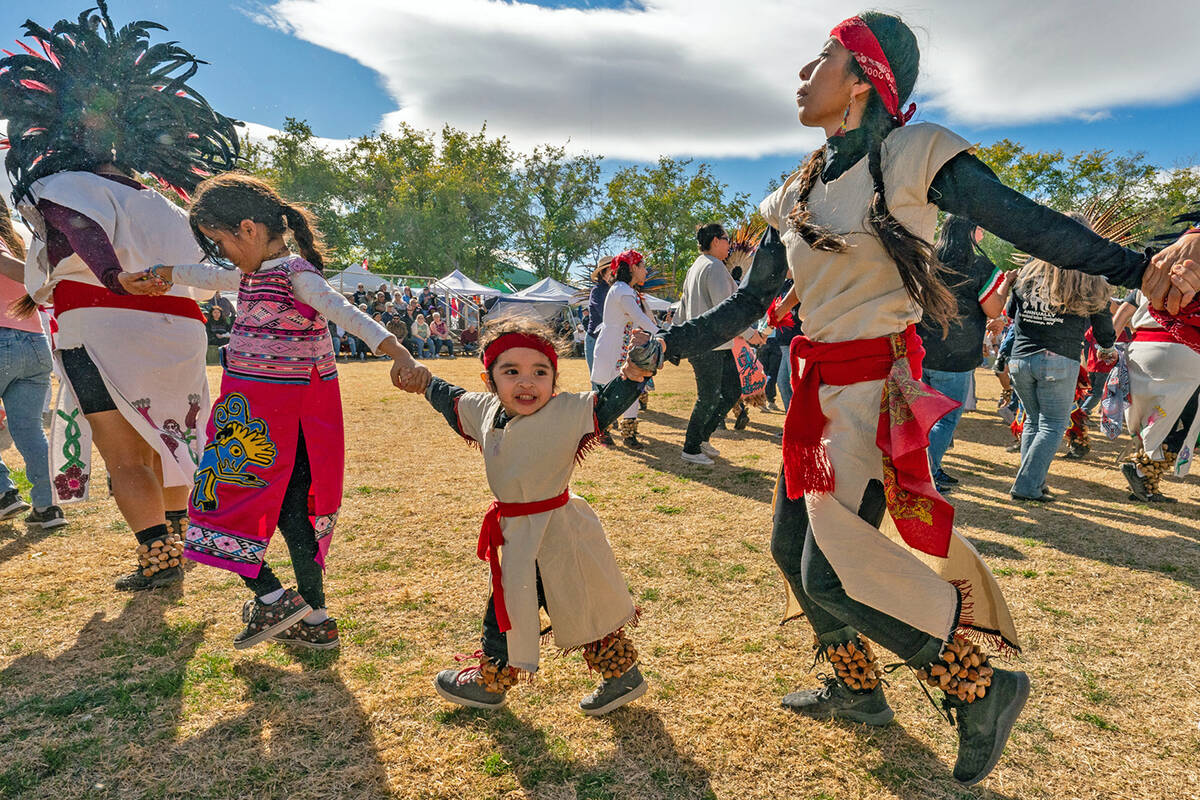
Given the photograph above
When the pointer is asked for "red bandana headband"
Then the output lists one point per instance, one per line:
(629, 258)
(855, 36)
(515, 339)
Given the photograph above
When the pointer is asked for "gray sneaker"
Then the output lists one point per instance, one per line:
(12, 505)
(1137, 486)
(137, 582)
(612, 693)
(460, 686)
(984, 725)
(835, 700)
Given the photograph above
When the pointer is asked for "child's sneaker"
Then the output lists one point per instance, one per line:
(47, 519)
(322, 636)
(264, 621)
(612, 693)
(12, 505)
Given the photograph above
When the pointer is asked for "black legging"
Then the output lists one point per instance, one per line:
(299, 535)
(494, 643)
(834, 616)
(718, 388)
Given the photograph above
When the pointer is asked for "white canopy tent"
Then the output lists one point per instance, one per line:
(459, 284)
(544, 300)
(348, 280)
(656, 303)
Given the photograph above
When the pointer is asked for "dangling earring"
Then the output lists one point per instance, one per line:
(841, 131)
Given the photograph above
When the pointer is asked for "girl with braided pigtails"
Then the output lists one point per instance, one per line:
(279, 403)
(856, 222)
(89, 106)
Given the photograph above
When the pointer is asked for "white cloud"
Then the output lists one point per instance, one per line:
(715, 78)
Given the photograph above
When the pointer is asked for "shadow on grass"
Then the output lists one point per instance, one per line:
(103, 718)
(646, 762)
(17, 538)
(911, 770)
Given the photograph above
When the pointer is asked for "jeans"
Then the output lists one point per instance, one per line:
(954, 385)
(425, 346)
(834, 616)
(784, 379)
(718, 388)
(438, 344)
(589, 350)
(1045, 383)
(24, 381)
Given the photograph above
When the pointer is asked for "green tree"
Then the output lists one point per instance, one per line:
(658, 208)
(556, 200)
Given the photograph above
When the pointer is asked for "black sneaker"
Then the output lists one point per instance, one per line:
(835, 700)
(137, 582)
(633, 443)
(1137, 485)
(47, 519)
(12, 505)
(612, 693)
(1078, 451)
(984, 725)
(460, 686)
(941, 476)
(265, 620)
(606, 439)
(743, 419)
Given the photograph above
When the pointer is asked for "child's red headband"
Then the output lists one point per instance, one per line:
(856, 37)
(516, 339)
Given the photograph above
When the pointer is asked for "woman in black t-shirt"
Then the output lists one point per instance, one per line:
(1053, 308)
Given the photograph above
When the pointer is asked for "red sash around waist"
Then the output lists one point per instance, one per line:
(491, 538)
(908, 409)
(69, 295)
(1153, 335)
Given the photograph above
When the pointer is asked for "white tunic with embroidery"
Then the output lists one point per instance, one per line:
(530, 459)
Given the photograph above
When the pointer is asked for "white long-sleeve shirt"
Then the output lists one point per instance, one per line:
(309, 288)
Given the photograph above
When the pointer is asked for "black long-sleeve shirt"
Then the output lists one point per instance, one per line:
(616, 396)
(964, 186)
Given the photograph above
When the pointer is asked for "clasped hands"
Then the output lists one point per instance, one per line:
(1172, 279)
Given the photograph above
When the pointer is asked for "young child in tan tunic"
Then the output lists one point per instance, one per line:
(555, 554)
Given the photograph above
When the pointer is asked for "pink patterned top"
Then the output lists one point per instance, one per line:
(276, 338)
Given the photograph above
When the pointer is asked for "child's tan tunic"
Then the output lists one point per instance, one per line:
(858, 294)
(530, 459)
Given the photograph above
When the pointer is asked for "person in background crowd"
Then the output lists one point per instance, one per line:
(361, 295)
(420, 332)
(718, 387)
(469, 340)
(383, 290)
(1052, 308)
(217, 328)
(440, 335)
(24, 383)
(601, 279)
(950, 360)
(579, 337)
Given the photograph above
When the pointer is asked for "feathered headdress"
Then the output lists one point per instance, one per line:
(744, 242)
(97, 95)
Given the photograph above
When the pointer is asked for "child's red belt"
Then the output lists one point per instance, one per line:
(491, 538)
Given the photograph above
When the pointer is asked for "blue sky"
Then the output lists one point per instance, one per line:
(262, 74)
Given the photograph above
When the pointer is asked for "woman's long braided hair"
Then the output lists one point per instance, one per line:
(915, 258)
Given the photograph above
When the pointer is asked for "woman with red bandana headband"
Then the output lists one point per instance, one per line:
(623, 311)
(855, 223)
(555, 554)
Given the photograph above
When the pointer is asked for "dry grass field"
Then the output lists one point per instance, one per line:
(104, 695)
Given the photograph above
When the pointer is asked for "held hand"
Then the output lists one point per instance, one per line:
(638, 337)
(630, 372)
(995, 325)
(1179, 274)
(411, 377)
(141, 283)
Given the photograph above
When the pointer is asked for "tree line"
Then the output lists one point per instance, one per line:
(421, 202)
